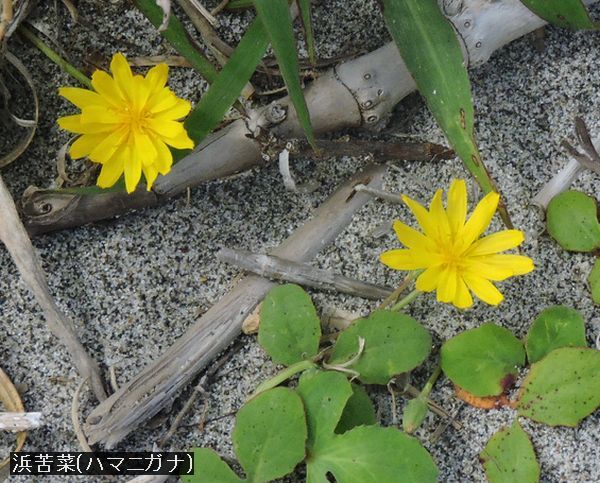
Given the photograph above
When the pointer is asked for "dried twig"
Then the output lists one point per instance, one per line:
(20, 421)
(277, 268)
(381, 194)
(6, 17)
(75, 418)
(154, 387)
(14, 236)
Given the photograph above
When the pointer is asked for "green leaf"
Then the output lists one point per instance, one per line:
(366, 454)
(275, 16)
(509, 457)
(270, 433)
(394, 343)
(177, 36)
(372, 454)
(594, 281)
(309, 36)
(564, 13)
(432, 53)
(290, 328)
(359, 411)
(210, 468)
(230, 82)
(483, 361)
(562, 388)
(573, 221)
(414, 414)
(555, 327)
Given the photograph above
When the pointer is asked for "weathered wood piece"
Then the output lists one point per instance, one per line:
(276, 268)
(14, 236)
(20, 421)
(157, 384)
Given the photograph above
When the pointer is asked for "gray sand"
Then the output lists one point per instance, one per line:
(135, 284)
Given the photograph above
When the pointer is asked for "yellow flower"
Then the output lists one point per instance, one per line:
(127, 123)
(454, 258)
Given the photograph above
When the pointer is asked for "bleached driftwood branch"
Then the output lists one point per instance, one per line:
(20, 421)
(277, 268)
(359, 92)
(14, 236)
(157, 384)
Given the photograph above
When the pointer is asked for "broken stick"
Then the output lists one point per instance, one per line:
(276, 268)
(157, 384)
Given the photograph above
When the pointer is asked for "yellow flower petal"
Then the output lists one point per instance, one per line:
(410, 237)
(144, 149)
(497, 242)
(74, 124)
(165, 129)
(106, 86)
(483, 289)
(479, 267)
(164, 158)
(108, 146)
(439, 217)
(84, 145)
(422, 215)
(180, 109)
(111, 171)
(517, 264)
(133, 170)
(429, 279)
(156, 78)
(98, 115)
(161, 100)
(480, 219)
(81, 97)
(407, 259)
(457, 205)
(181, 141)
(463, 298)
(150, 173)
(446, 289)
(122, 74)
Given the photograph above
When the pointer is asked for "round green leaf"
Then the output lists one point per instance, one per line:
(562, 388)
(555, 327)
(483, 361)
(573, 221)
(210, 468)
(270, 434)
(509, 457)
(290, 328)
(394, 343)
(594, 281)
(372, 454)
(358, 411)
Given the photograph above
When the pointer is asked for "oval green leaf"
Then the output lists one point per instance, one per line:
(562, 388)
(483, 361)
(270, 434)
(509, 457)
(290, 328)
(372, 454)
(573, 221)
(359, 411)
(394, 343)
(210, 468)
(414, 414)
(594, 281)
(564, 13)
(555, 327)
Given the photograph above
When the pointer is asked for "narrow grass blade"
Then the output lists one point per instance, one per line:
(230, 82)
(176, 34)
(430, 49)
(239, 5)
(305, 15)
(565, 13)
(275, 16)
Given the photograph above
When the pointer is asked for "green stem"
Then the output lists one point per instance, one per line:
(284, 376)
(406, 300)
(431, 381)
(55, 57)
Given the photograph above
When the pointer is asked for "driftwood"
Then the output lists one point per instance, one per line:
(277, 268)
(20, 421)
(157, 384)
(359, 92)
(14, 236)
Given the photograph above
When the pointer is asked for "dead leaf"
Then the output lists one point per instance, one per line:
(490, 402)
(12, 403)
